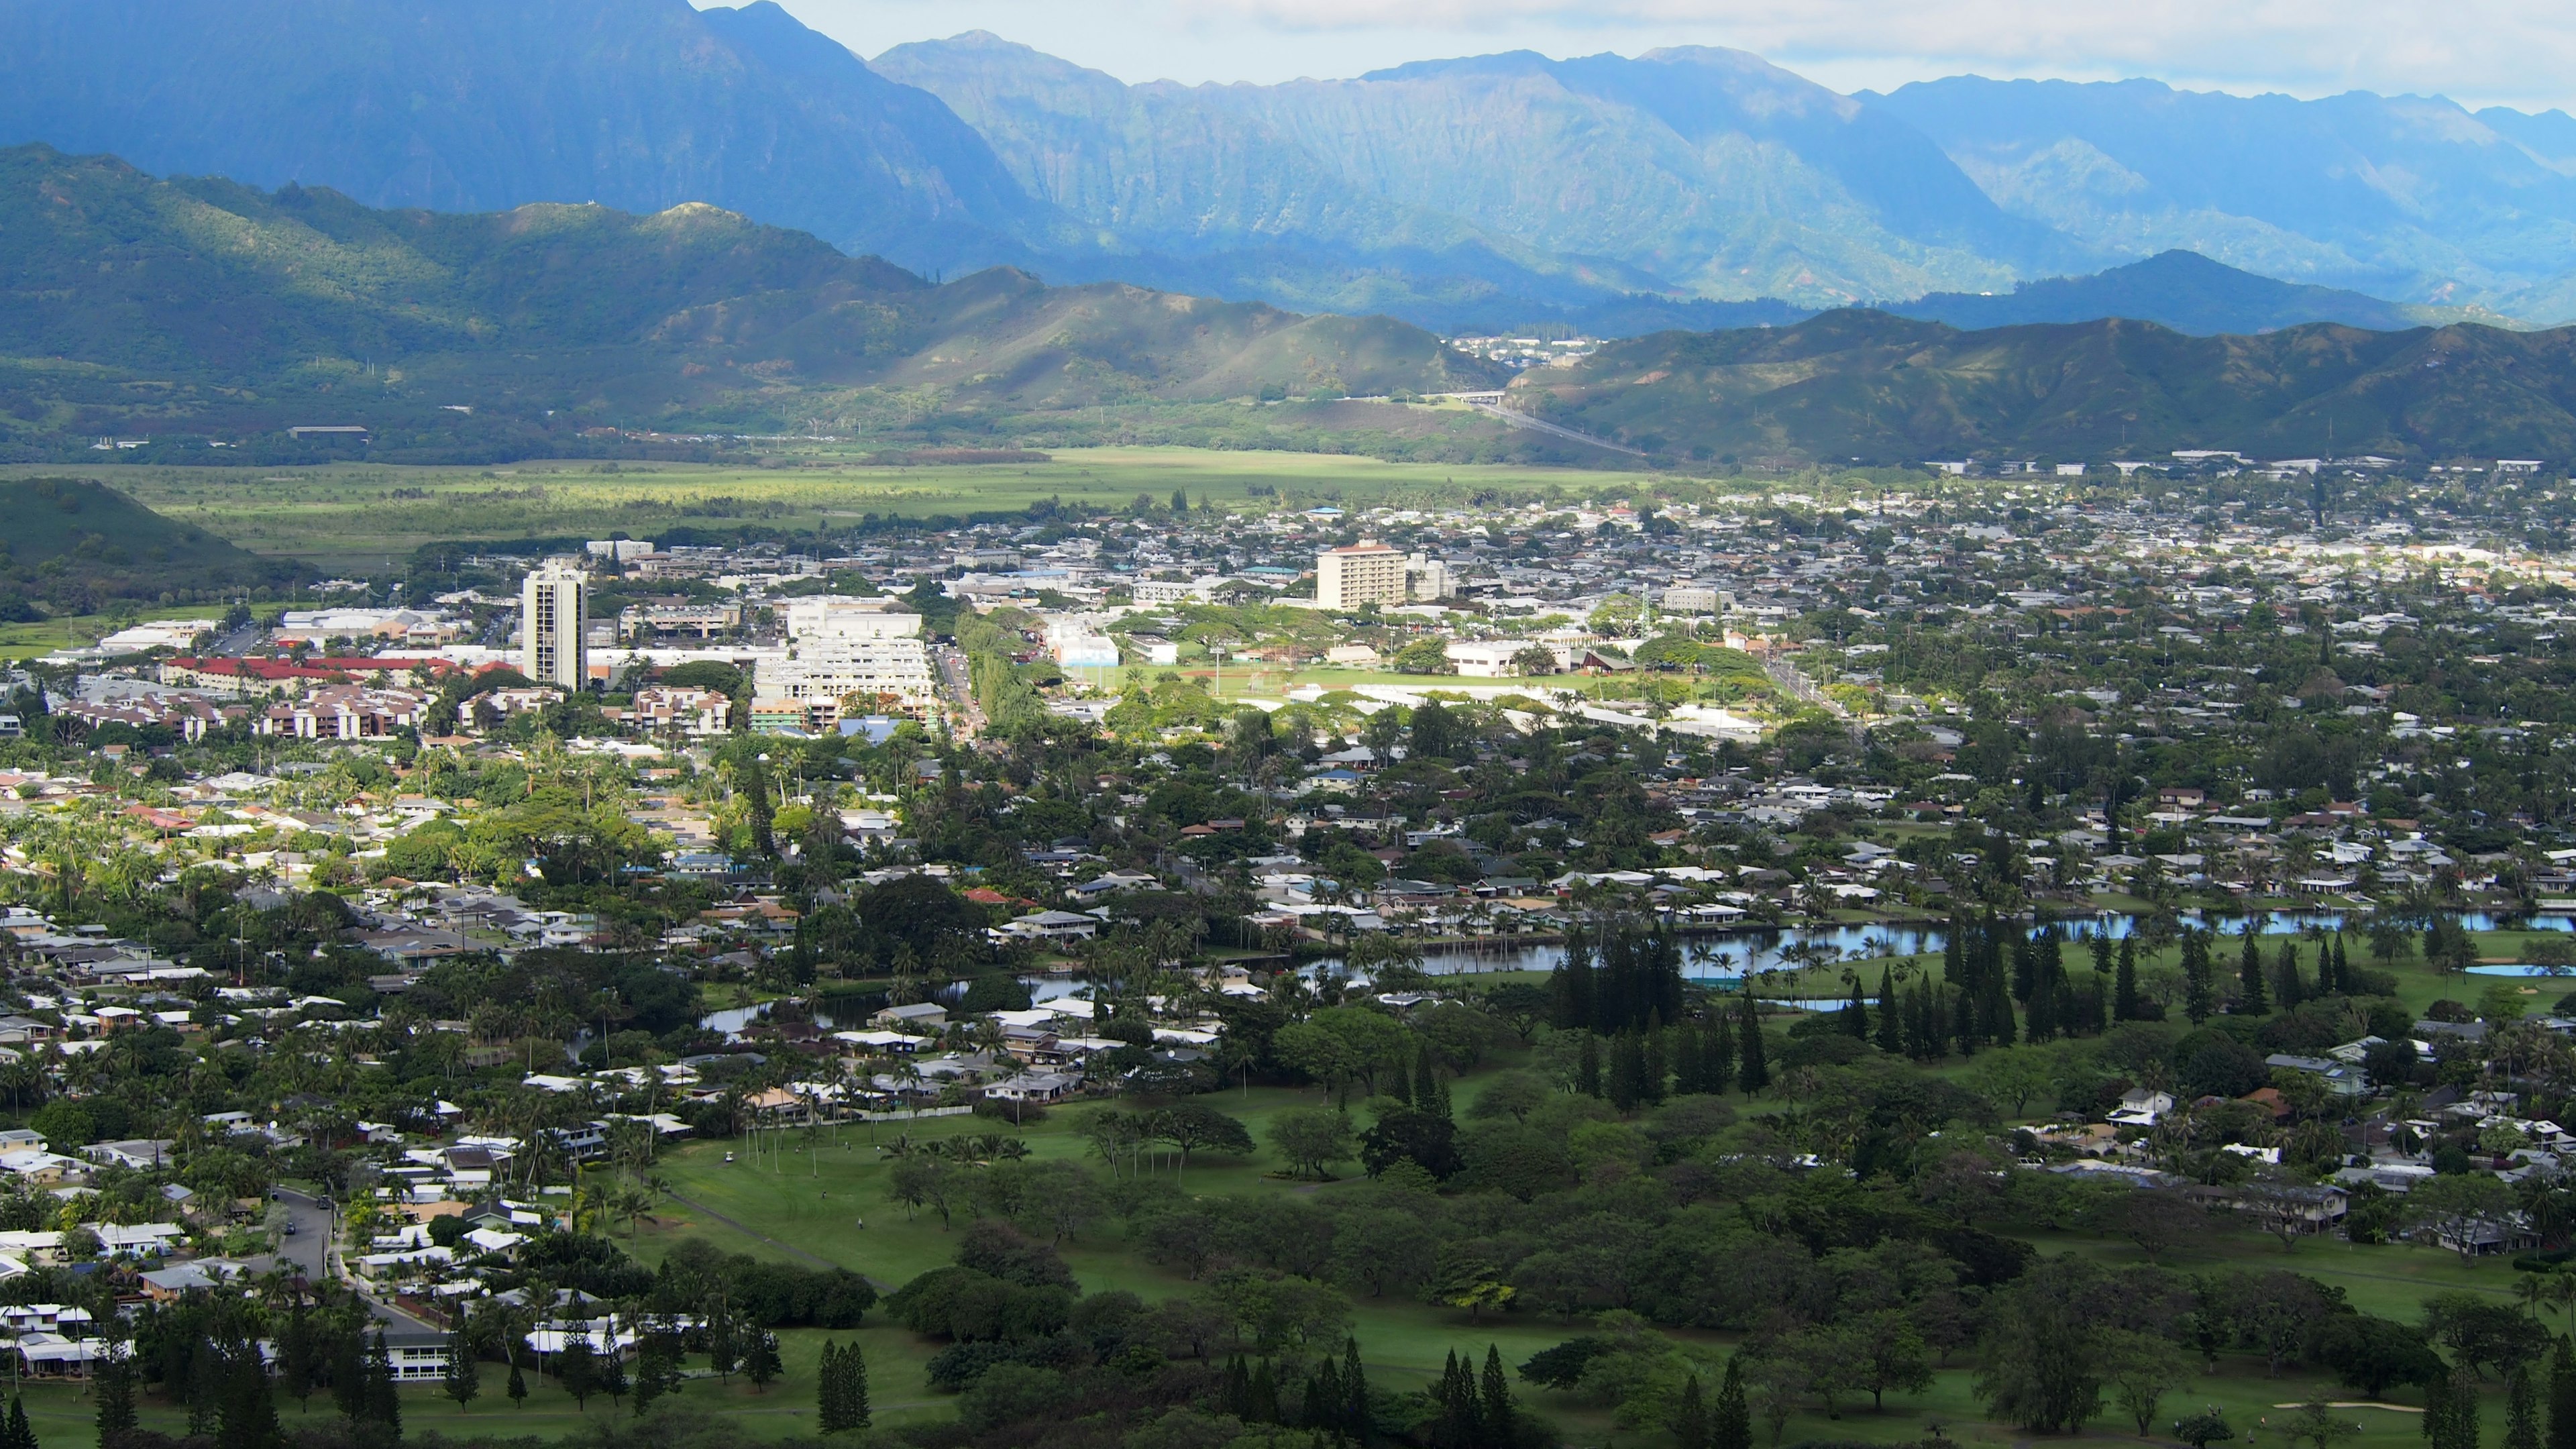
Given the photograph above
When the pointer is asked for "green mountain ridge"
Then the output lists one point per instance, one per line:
(75, 542)
(206, 307)
(1883, 389)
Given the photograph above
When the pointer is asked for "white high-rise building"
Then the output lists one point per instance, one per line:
(823, 617)
(554, 609)
(1367, 572)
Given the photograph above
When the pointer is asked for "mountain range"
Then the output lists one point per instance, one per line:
(1871, 387)
(207, 308)
(1475, 194)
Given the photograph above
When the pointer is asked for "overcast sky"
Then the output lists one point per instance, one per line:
(2512, 52)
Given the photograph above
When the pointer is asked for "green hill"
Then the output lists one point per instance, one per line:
(1857, 384)
(204, 309)
(75, 543)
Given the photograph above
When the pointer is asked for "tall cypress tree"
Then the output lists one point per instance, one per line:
(1688, 1073)
(827, 1390)
(1627, 1072)
(1658, 1067)
(1355, 1407)
(115, 1385)
(2200, 990)
(22, 1435)
(1716, 1051)
(1752, 1067)
(1494, 1403)
(1730, 1424)
(1587, 1065)
(2343, 982)
(1855, 1017)
(1690, 1418)
(384, 1405)
(2521, 1410)
(2293, 988)
(1891, 1026)
(2252, 999)
(2124, 987)
(2562, 1396)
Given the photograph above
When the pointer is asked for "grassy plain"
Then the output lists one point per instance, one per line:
(358, 515)
(31, 640)
(794, 1200)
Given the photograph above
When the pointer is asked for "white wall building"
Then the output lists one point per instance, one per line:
(554, 607)
(1364, 573)
(824, 617)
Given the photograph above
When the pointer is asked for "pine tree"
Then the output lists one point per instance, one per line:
(831, 1411)
(2124, 990)
(1263, 1400)
(1690, 1418)
(1587, 1066)
(1716, 1052)
(760, 1363)
(1494, 1406)
(577, 1370)
(1730, 1425)
(384, 1405)
(612, 1375)
(460, 1380)
(657, 1370)
(518, 1387)
(1855, 1018)
(2521, 1411)
(1316, 1411)
(297, 1360)
(115, 1387)
(2293, 989)
(2343, 982)
(1689, 1075)
(2253, 1001)
(2101, 947)
(1238, 1389)
(724, 1341)
(2025, 967)
(1627, 1072)
(2562, 1396)
(22, 1435)
(2200, 993)
(1891, 1025)
(854, 1387)
(1752, 1068)
(1355, 1407)
(247, 1418)
(1658, 1062)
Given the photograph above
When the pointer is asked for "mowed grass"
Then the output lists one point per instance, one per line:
(44, 636)
(800, 1198)
(357, 515)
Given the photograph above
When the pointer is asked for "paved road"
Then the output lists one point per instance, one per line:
(960, 682)
(1541, 425)
(308, 1250)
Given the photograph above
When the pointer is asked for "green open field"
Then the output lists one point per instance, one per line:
(29, 641)
(791, 1201)
(356, 514)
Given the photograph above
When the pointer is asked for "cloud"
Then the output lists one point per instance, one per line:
(2514, 51)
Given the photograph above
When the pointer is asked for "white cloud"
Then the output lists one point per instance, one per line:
(2518, 52)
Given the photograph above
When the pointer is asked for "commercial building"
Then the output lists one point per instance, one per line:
(1358, 575)
(823, 619)
(553, 610)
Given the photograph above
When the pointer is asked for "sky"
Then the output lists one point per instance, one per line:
(2520, 53)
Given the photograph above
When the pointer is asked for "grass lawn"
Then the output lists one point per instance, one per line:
(787, 1202)
(348, 515)
(44, 636)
